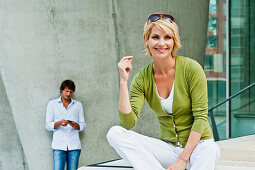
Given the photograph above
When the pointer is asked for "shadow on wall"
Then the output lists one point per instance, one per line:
(11, 155)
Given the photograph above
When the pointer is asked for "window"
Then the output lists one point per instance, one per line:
(209, 65)
(211, 41)
(212, 24)
(213, 7)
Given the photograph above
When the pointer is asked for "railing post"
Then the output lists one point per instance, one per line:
(215, 131)
(227, 66)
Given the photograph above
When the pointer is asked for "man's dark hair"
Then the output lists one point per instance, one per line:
(67, 83)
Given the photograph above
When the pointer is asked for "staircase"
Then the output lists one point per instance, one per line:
(237, 153)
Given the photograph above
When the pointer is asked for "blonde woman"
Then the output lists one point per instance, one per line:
(175, 88)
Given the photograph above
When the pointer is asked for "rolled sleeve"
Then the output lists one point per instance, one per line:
(200, 122)
(81, 121)
(82, 126)
(127, 120)
(49, 124)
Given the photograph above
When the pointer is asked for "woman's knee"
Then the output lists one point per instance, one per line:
(114, 133)
(208, 152)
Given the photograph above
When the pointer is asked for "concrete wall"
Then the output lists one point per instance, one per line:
(45, 42)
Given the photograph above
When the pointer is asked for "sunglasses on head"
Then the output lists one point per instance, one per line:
(155, 17)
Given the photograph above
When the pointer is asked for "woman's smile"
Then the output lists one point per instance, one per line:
(161, 50)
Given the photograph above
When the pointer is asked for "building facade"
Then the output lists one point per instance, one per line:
(229, 61)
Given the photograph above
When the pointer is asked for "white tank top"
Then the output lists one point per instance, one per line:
(167, 103)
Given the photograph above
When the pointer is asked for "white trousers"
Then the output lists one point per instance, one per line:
(143, 152)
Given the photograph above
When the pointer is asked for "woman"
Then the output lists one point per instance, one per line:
(175, 88)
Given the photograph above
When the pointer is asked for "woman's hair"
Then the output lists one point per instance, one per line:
(168, 27)
(67, 84)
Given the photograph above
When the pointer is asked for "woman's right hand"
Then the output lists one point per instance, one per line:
(125, 67)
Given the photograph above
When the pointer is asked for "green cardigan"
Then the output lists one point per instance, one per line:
(190, 108)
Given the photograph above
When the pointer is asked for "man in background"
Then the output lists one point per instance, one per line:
(65, 118)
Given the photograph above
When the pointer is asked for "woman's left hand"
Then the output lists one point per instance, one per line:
(178, 165)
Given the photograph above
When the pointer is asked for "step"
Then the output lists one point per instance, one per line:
(235, 165)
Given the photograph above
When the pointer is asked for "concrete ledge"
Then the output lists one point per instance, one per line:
(236, 154)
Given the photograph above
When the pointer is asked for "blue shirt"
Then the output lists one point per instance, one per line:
(65, 137)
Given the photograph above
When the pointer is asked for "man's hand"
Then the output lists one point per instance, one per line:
(60, 123)
(178, 165)
(63, 122)
(74, 124)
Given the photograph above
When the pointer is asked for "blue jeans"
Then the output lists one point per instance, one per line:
(70, 157)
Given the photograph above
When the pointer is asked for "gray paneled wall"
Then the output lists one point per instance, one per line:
(45, 42)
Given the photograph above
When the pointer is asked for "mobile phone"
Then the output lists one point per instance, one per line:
(69, 121)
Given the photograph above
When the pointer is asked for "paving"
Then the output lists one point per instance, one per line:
(236, 154)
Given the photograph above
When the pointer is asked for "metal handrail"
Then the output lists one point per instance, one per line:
(229, 98)
(102, 164)
(210, 110)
